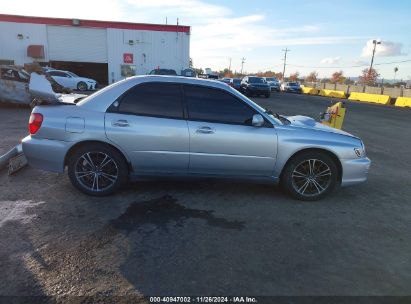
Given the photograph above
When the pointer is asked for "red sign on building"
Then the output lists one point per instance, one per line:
(128, 58)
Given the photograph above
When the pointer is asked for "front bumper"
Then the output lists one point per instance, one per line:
(45, 154)
(354, 171)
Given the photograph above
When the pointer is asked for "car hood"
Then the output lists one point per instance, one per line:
(308, 122)
(40, 88)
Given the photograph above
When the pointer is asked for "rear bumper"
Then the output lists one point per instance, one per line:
(45, 154)
(355, 171)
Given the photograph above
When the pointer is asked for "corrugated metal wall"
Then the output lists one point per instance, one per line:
(67, 43)
(150, 49)
(13, 48)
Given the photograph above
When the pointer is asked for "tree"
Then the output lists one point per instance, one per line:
(294, 76)
(279, 75)
(369, 76)
(337, 77)
(312, 77)
(199, 71)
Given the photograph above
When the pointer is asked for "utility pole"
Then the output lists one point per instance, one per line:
(242, 65)
(229, 67)
(285, 60)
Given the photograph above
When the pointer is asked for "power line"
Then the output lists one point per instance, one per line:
(350, 66)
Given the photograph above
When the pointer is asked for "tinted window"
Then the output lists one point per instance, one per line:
(215, 105)
(153, 99)
(237, 81)
(256, 80)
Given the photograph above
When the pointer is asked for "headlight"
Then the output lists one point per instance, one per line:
(360, 152)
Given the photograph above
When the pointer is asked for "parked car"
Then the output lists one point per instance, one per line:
(292, 87)
(148, 126)
(16, 83)
(253, 85)
(225, 80)
(163, 72)
(273, 83)
(235, 83)
(72, 81)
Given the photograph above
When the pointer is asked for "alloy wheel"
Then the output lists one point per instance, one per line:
(96, 171)
(311, 177)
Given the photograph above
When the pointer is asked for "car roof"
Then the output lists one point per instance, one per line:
(101, 99)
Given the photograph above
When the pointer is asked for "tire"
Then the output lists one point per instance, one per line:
(82, 86)
(297, 180)
(97, 169)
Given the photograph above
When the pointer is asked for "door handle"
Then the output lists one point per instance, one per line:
(120, 123)
(205, 130)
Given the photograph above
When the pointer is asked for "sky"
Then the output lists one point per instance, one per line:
(322, 35)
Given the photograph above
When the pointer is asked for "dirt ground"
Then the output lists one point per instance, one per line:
(213, 238)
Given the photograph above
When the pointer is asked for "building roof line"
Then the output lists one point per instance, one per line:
(95, 23)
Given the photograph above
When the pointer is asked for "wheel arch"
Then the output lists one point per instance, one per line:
(87, 142)
(333, 156)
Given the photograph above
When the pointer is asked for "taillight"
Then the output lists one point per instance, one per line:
(35, 122)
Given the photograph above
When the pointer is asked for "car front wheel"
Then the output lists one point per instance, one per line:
(97, 169)
(82, 86)
(310, 176)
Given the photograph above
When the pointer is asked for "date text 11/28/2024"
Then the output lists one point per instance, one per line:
(203, 300)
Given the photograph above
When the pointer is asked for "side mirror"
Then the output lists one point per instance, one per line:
(258, 120)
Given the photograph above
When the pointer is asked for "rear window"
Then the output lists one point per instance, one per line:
(153, 99)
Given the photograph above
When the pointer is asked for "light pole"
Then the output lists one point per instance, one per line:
(285, 61)
(395, 73)
(242, 65)
(375, 42)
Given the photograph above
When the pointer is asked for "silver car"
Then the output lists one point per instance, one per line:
(169, 126)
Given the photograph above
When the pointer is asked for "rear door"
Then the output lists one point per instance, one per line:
(148, 124)
(223, 141)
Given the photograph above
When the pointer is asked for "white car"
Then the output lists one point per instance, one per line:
(72, 81)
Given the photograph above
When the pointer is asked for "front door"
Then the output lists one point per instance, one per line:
(148, 124)
(222, 139)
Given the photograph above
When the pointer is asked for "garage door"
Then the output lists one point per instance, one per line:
(79, 44)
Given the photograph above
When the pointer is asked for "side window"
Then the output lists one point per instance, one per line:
(207, 104)
(153, 99)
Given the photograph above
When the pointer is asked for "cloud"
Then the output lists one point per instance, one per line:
(385, 49)
(331, 60)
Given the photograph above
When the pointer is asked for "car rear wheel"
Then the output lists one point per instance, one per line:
(82, 86)
(97, 169)
(310, 176)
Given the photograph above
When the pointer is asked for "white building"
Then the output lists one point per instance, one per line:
(103, 50)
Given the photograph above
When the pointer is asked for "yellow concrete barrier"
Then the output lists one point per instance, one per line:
(332, 93)
(403, 102)
(310, 91)
(376, 98)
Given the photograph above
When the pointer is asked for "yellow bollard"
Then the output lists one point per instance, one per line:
(334, 116)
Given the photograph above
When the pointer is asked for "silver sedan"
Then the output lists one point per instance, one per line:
(168, 126)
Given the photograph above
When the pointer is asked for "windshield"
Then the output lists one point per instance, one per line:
(271, 79)
(293, 84)
(256, 80)
(72, 74)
